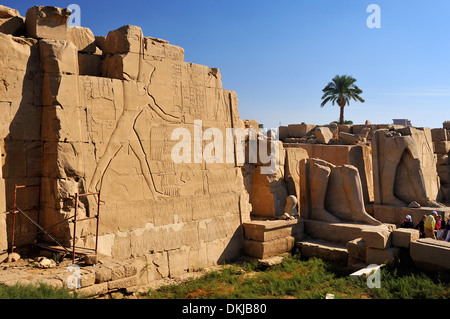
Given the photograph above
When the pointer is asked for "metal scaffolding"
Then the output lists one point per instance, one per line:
(57, 246)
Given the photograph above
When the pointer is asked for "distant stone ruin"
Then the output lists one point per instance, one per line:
(402, 171)
(85, 114)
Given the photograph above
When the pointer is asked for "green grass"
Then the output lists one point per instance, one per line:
(303, 279)
(294, 278)
(41, 291)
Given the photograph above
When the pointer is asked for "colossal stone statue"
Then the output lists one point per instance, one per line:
(335, 193)
(405, 168)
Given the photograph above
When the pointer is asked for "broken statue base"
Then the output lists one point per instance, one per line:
(267, 238)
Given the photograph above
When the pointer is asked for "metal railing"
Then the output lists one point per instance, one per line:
(75, 220)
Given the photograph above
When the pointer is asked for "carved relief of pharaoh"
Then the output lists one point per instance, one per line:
(137, 97)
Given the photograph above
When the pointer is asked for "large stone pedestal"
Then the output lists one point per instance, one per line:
(431, 254)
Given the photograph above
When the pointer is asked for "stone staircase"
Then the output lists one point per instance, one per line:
(354, 245)
(323, 249)
(342, 243)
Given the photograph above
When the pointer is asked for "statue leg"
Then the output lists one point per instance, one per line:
(394, 149)
(417, 181)
(354, 195)
(318, 178)
(112, 149)
(137, 149)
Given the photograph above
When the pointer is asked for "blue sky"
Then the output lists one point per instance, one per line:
(278, 55)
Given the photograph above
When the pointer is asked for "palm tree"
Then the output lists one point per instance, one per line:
(341, 90)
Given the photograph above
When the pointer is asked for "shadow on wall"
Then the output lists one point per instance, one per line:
(234, 249)
(23, 148)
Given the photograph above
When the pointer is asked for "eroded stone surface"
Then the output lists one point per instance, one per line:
(74, 132)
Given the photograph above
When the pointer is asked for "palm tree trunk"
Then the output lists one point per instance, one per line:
(341, 116)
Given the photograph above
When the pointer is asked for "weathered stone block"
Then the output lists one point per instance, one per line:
(11, 22)
(324, 250)
(295, 157)
(444, 174)
(345, 128)
(58, 56)
(157, 48)
(47, 22)
(122, 283)
(34, 158)
(295, 140)
(442, 160)
(178, 261)
(272, 229)
(323, 135)
(6, 12)
(82, 38)
(123, 66)
(446, 125)
(117, 272)
(431, 254)
(357, 249)
(126, 39)
(214, 250)
(94, 290)
(60, 126)
(102, 274)
(130, 270)
(87, 278)
(99, 41)
(283, 132)
(59, 90)
(269, 193)
(348, 138)
(382, 256)
(377, 237)
(90, 64)
(442, 147)
(333, 232)
(439, 134)
(402, 237)
(445, 192)
(270, 248)
(359, 127)
(299, 130)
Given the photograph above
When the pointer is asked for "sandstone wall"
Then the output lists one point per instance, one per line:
(20, 127)
(79, 119)
(441, 140)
